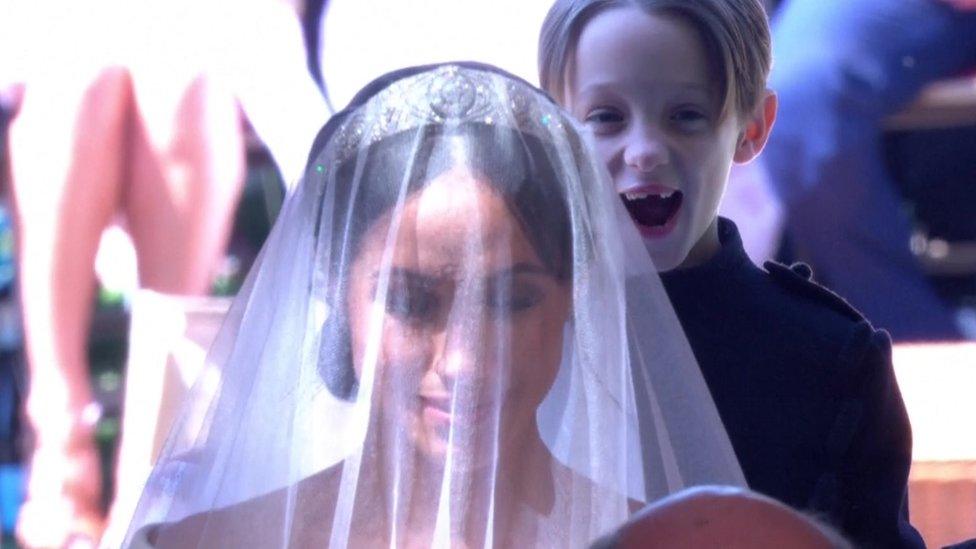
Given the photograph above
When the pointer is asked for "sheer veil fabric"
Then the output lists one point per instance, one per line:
(453, 338)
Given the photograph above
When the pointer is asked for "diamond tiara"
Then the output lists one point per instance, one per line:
(448, 95)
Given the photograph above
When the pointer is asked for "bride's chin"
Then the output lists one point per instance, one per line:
(437, 450)
(435, 447)
(471, 446)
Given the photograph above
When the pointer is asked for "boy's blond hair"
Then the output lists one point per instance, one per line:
(735, 34)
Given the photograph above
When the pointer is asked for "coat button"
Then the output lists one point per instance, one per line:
(802, 269)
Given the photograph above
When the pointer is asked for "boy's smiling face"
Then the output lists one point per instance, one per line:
(642, 83)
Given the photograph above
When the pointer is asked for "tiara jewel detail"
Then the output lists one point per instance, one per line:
(448, 95)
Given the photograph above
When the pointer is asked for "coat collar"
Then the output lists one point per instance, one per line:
(730, 256)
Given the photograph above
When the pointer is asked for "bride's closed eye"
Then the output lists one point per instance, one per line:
(506, 298)
(412, 300)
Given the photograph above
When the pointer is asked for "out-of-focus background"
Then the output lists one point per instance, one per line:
(145, 151)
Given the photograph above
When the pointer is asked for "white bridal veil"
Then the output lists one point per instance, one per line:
(453, 337)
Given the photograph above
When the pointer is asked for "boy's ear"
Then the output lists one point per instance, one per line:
(756, 132)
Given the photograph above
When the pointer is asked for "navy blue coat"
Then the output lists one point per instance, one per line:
(806, 390)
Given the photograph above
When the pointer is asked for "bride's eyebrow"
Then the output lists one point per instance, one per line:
(424, 280)
(408, 276)
(521, 268)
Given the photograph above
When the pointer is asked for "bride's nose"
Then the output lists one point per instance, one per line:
(457, 354)
(461, 352)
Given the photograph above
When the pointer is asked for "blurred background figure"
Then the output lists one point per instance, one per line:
(130, 114)
(841, 68)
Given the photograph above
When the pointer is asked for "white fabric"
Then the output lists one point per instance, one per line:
(168, 339)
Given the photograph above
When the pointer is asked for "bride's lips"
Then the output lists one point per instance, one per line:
(654, 208)
(440, 411)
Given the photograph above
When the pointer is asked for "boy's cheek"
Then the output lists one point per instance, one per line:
(604, 151)
(614, 164)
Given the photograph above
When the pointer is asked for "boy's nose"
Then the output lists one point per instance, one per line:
(645, 151)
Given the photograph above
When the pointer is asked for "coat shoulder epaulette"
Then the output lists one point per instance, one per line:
(798, 278)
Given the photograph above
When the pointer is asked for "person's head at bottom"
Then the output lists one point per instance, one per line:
(716, 516)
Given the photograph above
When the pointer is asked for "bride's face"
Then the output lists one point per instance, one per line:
(468, 321)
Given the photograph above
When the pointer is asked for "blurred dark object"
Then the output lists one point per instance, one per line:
(949, 103)
(107, 350)
(11, 470)
(11, 356)
(312, 13)
(935, 170)
(11, 386)
(261, 198)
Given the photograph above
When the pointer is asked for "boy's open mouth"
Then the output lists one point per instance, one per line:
(652, 208)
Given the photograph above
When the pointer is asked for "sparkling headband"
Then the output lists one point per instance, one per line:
(447, 95)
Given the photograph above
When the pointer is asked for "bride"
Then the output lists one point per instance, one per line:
(452, 338)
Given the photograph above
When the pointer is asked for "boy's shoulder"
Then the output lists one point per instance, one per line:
(813, 323)
(797, 280)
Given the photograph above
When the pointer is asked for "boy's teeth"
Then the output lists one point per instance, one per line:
(640, 195)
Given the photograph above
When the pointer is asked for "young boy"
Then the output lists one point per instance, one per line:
(674, 93)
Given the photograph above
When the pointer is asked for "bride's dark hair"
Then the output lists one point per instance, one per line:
(514, 164)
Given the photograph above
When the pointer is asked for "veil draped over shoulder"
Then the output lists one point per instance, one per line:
(453, 337)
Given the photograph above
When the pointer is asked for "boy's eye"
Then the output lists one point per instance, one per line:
(690, 119)
(604, 120)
